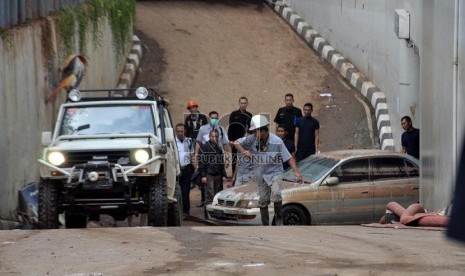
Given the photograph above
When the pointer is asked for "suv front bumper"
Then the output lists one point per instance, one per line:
(86, 172)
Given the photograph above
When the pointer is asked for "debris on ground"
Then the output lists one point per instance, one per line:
(28, 198)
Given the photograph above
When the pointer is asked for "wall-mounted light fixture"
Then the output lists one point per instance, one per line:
(402, 24)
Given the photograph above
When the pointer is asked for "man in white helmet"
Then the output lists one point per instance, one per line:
(267, 152)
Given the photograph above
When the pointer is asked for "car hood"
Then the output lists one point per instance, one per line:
(250, 191)
(101, 144)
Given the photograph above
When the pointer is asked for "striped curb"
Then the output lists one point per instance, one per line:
(371, 92)
(132, 64)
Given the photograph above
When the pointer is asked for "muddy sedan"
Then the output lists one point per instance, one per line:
(340, 187)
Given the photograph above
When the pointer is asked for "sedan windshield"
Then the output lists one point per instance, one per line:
(311, 169)
(117, 119)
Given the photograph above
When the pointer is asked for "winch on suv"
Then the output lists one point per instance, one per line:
(110, 154)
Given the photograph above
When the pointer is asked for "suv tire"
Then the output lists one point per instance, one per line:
(48, 204)
(158, 203)
(175, 209)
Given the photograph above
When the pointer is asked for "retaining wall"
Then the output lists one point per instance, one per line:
(30, 58)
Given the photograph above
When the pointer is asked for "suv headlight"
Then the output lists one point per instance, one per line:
(141, 156)
(142, 93)
(74, 95)
(56, 158)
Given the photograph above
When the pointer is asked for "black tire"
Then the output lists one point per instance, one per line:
(175, 208)
(158, 203)
(73, 220)
(294, 215)
(48, 204)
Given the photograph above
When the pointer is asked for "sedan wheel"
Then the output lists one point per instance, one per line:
(294, 215)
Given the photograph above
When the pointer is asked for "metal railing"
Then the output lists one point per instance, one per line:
(15, 12)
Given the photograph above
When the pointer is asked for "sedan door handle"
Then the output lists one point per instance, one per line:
(365, 192)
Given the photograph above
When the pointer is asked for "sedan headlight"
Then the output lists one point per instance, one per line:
(141, 156)
(247, 203)
(56, 158)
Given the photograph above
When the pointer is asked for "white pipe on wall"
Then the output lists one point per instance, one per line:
(455, 91)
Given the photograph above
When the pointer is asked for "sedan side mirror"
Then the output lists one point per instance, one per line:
(330, 181)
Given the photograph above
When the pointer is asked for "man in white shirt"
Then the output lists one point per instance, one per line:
(204, 133)
(185, 151)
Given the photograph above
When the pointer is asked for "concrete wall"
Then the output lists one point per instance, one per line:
(416, 77)
(30, 59)
(441, 99)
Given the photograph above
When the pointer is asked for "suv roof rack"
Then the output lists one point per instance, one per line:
(118, 94)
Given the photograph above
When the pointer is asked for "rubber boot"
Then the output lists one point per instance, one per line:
(265, 216)
(278, 213)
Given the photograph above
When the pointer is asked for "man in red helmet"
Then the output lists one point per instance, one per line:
(192, 123)
(194, 120)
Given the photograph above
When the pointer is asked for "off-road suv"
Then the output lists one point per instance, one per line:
(112, 155)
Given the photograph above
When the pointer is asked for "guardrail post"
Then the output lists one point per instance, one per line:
(14, 13)
(5, 14)
(22, 11)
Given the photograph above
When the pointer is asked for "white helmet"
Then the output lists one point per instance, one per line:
(258, 121)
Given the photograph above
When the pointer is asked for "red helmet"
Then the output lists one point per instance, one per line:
(191, 103)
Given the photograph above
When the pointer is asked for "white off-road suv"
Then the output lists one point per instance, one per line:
(112, 155)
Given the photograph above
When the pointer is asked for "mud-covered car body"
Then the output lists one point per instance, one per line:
(110, 155)
(340, 187)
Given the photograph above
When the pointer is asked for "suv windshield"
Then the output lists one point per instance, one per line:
(311, 168)
(115, 119)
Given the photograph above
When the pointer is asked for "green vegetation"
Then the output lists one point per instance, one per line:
(120, 14)
(83, 27)
(45, 40)
(4, 35)
(67, 29)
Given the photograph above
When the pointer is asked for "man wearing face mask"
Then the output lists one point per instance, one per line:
(204, 136)
(204, 133)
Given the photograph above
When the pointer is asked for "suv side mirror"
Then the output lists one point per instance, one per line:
(169, 135)
(330, 181)
(46, 138)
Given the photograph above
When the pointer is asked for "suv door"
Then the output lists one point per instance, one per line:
(171, 157)
(351, 200)
(394, 179)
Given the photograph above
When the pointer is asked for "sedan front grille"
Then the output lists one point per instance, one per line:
(228, 203)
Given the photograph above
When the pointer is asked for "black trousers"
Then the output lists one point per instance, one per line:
(185, 182)
(234, 158)
(302, 154)
(456, 227)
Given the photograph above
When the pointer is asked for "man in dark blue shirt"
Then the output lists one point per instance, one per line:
(239, 123)
(288, 115)
(410, 138)
(307, 134)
